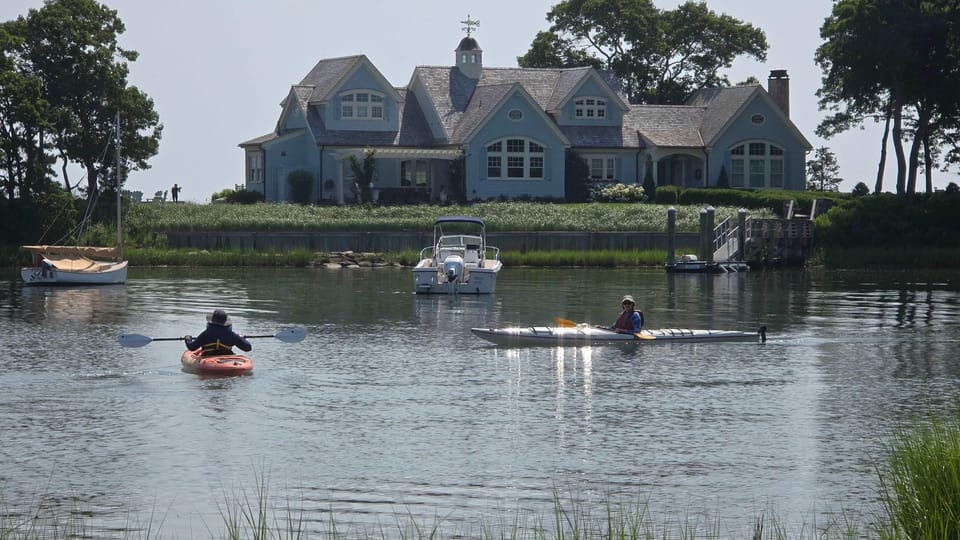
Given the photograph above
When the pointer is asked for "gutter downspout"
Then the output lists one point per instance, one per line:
(706, 167)
(320, 180)
(263, 167)
(636, 166)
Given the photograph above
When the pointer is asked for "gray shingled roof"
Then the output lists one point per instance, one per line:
(327, 74)
(485, 99)
(721, 104)
(541, 84)
(676, 126)
(462, 104)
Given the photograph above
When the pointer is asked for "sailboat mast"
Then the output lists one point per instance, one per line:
(119, 231)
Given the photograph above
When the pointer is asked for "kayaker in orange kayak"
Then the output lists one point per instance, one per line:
(218, 338)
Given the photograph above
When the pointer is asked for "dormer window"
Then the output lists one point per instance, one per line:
(589, 108)
(361, 105)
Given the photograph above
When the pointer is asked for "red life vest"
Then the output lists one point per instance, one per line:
(624, 321)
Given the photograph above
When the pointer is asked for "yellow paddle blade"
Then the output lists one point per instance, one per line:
(564, 322)
(641, 335)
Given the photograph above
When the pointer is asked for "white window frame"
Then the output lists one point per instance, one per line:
(604, 164)
(757, 164)
(516, 158)
(255, 167)
(362, 105)
(590, 108)
(414, 173)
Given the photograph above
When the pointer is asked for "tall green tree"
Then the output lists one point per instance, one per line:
(72, 47)
(895, 61)
(24, 160)
(659, 56)
(823, 171)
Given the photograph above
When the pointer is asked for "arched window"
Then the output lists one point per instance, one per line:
(589, 108)
(756, 164)
(361, 105)
(515, 158)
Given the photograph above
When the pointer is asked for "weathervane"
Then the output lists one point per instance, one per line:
(469, 25)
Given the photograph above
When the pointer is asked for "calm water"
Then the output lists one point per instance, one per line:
(391, 409)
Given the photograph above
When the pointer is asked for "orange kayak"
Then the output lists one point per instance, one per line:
(232, 364)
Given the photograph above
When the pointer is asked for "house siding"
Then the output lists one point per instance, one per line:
(442, 111)
(772, 131)
(362, 79)
(591, 88)
(534, 127)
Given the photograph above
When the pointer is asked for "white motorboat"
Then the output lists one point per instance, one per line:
(459, 261)
(558, 336)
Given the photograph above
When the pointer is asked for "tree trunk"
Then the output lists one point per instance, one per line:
(919, 136)
(898, 147)
(883, 154)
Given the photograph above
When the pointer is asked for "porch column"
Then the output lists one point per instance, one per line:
(340, 199)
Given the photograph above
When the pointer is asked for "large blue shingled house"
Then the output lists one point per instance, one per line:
(512, 127)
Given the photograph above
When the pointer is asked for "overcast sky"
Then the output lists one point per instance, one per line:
(218, 69)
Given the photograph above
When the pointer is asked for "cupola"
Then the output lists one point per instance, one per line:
(469, 54)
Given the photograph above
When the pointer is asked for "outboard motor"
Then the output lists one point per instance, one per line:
(453, 268)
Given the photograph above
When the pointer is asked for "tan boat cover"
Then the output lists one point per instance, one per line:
(80, 264)
(75, 251)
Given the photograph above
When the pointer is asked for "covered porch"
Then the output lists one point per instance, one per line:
(684, 168)
(401, 175)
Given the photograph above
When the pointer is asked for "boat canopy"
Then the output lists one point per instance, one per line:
(75, 251)
(460, 219)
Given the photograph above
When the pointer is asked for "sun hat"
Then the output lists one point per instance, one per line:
(628, 298)
(219, 318)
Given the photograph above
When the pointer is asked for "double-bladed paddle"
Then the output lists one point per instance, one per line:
(567, 323)
(288, 335)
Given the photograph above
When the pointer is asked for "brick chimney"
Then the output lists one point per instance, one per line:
(778, 86)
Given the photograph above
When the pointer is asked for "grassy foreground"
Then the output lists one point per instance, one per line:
(919, 499)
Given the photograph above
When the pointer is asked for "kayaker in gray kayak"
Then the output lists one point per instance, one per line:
(218, 338)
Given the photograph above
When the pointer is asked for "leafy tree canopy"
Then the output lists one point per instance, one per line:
(659, 56)
(70, 49)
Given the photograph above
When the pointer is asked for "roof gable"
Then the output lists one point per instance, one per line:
(489, 100)
(571, 81)
(725, 105)
(327, 76)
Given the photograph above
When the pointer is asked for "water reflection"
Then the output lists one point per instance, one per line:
(64, 304)
(391, 407)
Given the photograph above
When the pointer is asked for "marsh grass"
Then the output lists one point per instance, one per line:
(222, 257)
(256, 515)
(920, 482)
(143, 257)
(142, 221)
(919, 497)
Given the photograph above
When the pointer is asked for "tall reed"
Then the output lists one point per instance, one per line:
(920, 482)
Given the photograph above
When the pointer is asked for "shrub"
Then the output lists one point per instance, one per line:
(576, 178)
(242, 196)
(301, 186)
(649, 186)
(620, 193)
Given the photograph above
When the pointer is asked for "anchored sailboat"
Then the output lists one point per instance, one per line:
(76, 265)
